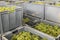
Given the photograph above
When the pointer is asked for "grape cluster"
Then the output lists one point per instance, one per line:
(26, 20)
(46, 28)
(10, 9)
(26, 36)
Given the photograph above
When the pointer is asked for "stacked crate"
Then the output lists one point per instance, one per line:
(9, 21)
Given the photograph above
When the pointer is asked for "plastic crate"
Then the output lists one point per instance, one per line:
(42, 34)
(9, 21)
(34, 9)
(32, 30)
(15, 18)
(16, 31)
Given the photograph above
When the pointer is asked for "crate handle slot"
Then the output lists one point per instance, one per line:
(16, 31)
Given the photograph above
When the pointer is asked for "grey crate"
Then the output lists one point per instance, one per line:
(46, 35)
(41, 34)
(52, 13)
(9, 21)
(9, 34)
(34, 9)
(34, 31)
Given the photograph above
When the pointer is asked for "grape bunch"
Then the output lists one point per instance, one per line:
(26, 36)
(6, 8)
(48, 29)
(26, 20)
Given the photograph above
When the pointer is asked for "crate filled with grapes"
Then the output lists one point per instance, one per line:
(23, 34)
(52, 32)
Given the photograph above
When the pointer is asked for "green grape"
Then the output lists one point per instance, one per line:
(44, 39)
(25, 36)
(26, 20)
(56, 27)
(19, 38)
(14, 37)
(50, 30)
(35, 37)
(58, 31)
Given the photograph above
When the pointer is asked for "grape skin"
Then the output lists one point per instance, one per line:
(26, 36)
(46, 28)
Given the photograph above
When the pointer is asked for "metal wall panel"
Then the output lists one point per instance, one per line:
(52, 13)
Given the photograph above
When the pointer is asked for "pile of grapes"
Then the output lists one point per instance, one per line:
(26, 36)
(10, 9)
(26, 20)
(46, 28)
